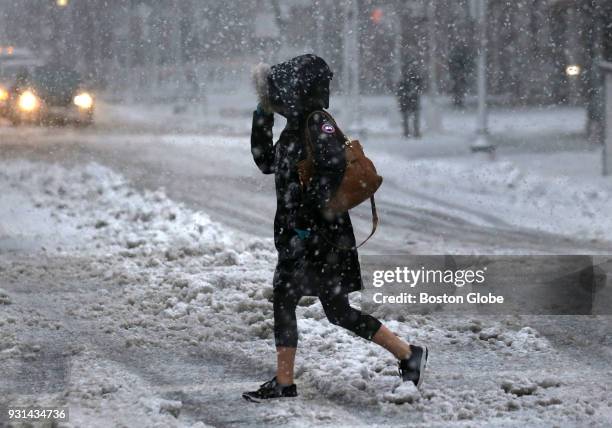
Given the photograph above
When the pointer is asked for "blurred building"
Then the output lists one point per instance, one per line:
(540, 51)
(531, 44)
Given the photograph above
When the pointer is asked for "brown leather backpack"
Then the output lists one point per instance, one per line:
(360, 180)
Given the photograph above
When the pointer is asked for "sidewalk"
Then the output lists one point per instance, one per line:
(527, 130)
(231, 115)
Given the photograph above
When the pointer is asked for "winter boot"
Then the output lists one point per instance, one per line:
(413, 367)
(270, 389)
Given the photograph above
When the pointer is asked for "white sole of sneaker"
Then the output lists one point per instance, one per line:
(423, 366)
(250, 399)
(259, 401)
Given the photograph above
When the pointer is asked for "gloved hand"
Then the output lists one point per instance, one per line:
(302, 233)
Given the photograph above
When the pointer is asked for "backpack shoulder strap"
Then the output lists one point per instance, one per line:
(309, 151)
(307, 139)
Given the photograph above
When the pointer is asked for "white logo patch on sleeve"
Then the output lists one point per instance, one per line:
(328, 128)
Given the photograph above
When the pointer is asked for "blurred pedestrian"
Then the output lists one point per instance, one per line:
(408, 94)
(460, 66)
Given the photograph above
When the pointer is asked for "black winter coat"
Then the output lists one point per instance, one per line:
(312, 266)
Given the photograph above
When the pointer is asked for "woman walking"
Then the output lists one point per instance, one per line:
(316, 248)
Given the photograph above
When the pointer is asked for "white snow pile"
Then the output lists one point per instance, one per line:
(185, 277)
(474, 190)
(123, 398)
(110, 215)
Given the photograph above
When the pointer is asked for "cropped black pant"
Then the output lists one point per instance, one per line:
(337, 310)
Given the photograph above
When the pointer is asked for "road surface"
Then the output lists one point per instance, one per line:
(69, 322)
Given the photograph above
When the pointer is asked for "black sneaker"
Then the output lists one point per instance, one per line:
(270, 389)
(413, 368)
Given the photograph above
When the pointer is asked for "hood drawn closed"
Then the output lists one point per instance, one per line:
(294, 87)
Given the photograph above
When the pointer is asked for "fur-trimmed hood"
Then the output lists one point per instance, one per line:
(261, 72)
(288, 88)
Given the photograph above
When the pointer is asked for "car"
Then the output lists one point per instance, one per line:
(50, 94)
(13, 61)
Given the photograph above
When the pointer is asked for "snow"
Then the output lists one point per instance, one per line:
(135, 274)
(517, 195)
(67, 196)
(26, 225)
(112, 396)
(167, 274)
(404, 392)
(230, 113)
(545, 179)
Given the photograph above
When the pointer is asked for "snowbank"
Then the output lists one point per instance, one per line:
(503, 194)
(180, 272)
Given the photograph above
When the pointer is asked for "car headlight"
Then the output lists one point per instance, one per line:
(4, 95)
(572, 70)
(83, 100)
(28, 101)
